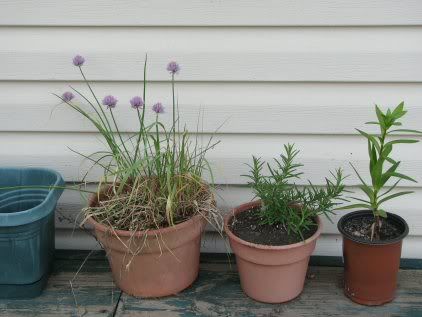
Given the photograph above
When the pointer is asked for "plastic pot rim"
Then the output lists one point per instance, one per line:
(361, 213)
(250, 205)
(39, 211)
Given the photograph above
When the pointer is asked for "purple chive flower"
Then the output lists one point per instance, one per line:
(158, 108)
(136, 102)
(173, 67)
(78, 60)
(110, 101)
(68, 96)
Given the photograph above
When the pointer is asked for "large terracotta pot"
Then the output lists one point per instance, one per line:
(270, 274)
(370, 268)
(153, 263)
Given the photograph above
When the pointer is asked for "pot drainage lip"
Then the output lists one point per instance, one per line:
(392, 217)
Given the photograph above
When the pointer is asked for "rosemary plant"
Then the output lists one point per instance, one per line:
(152, 178)
(382, 166)
(293, 207)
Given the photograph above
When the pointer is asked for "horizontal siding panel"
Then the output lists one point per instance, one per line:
(211, 13)
(331, 245)
(69, 207)
(156, 39)
(223, 54)
(327, 244)
(257, 119)
(229, 94)
(318, 154)
(225, 170)
(276, 108)
(118, 65)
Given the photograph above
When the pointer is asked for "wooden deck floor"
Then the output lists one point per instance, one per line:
(216, 293)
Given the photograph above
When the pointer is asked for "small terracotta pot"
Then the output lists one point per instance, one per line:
(167, 263)
(370, 268)
(270, 274)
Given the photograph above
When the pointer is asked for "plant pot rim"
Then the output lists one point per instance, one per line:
(248, 206)
(143, 233)
(361, 213)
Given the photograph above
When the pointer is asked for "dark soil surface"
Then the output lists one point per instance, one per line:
(361, 229)
(247, 226)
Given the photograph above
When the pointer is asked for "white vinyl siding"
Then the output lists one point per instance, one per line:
(306, 72)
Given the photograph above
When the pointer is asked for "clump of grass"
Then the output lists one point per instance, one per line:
(152, 178)
(143, 204)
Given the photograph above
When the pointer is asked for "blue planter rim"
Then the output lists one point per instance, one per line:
(40, 210)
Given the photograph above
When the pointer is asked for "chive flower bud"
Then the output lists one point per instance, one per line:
(67, 96)
(158, 108)
(137, 102)
(110, 101)
(173, 67)
(78, 60)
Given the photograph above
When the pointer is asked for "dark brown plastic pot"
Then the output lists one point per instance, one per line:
(371, 268)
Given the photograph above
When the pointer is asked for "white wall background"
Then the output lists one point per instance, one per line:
(304, 71)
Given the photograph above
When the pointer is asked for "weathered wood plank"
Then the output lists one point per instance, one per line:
(217, 293)
(94, 293)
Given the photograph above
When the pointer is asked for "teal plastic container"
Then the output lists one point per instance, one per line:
(27, 229)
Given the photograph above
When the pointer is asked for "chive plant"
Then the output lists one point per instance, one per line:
(293, 207)
(382, 167)
(152, 178)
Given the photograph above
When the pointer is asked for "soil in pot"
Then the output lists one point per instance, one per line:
(360, 228)
(249, 226)
(371, 267)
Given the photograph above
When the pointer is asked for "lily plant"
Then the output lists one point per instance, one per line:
(382, 167)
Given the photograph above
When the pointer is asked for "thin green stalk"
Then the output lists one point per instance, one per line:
(95, 97)
(120, 136)
(174, 120)
(142, 118)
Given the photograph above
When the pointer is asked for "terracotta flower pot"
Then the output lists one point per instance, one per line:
(370, 268)
(270, 274)
(153, 263)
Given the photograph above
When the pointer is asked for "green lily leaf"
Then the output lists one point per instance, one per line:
(394, 196)
(407, 131)
(401, 141)
(354, 206)
(371, 138)
(402, 176)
